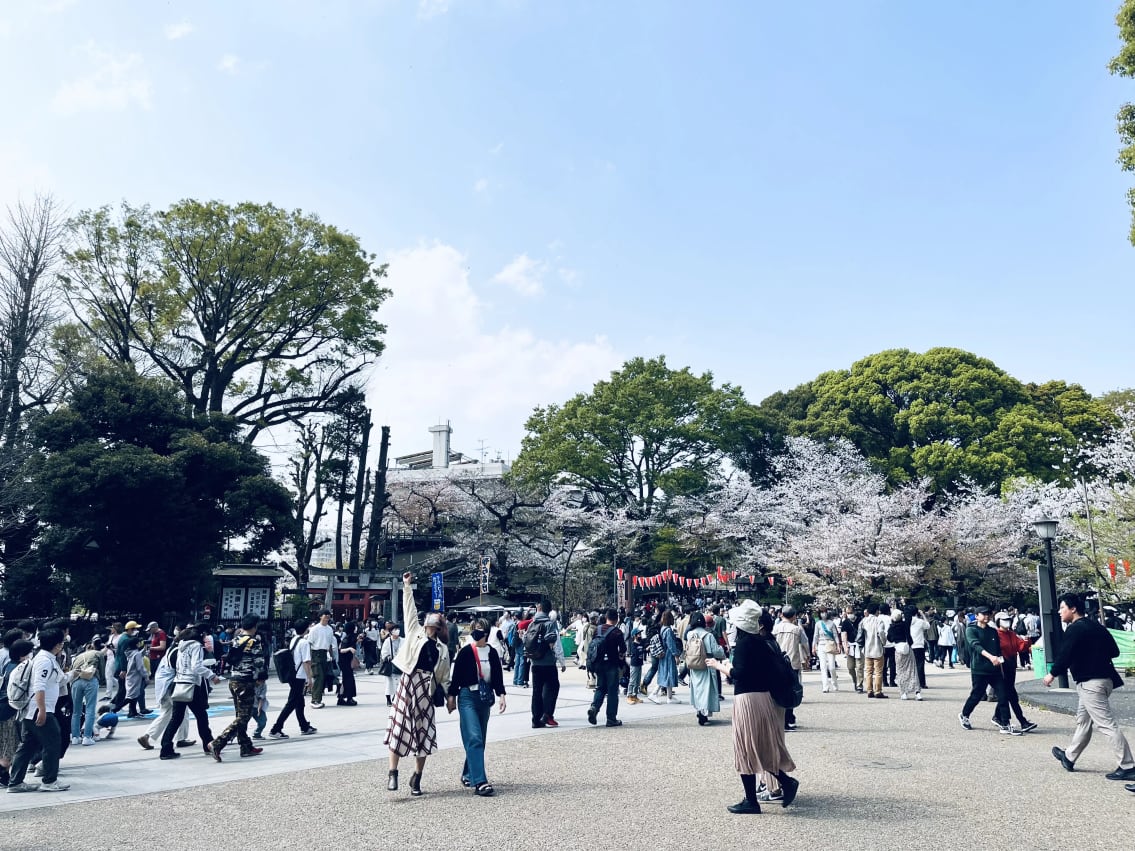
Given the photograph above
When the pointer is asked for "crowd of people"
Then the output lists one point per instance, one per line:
(53, 694)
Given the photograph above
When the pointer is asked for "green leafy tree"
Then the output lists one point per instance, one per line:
(252, 311)
(140, 500)
(946, 415)
(1123, 65)
(647, 432)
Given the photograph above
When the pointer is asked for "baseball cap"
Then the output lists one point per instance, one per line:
(132, 625)
(1002, 616)
(981, 610)
(152, 625)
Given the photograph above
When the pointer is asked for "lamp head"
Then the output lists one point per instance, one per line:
(1046, 529)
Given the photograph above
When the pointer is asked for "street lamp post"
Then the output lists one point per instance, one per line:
(1051, 629)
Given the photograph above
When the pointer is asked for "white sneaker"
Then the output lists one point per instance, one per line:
(38, 770)
(652, 698)
(87, 740)
(918, 695)
(673, 700)
(835, 687)
(54, 787)
(903, 696)
(75, 740)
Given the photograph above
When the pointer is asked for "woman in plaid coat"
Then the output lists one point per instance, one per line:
(423, 659)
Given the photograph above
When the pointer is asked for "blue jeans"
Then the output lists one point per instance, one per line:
(85, 696)
(607, 686)
(518, 670)
(474, 717)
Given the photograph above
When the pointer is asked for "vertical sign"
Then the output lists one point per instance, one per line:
(486, 565)
(437, 590)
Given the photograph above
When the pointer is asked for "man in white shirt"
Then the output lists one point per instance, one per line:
(40, 726)
(918, 627)
(322, 638)
(301, 658)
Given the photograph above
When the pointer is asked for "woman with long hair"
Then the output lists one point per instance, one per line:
(478, 679)
(906, 672)
(758, 721)
(668, 664)
(423, 659)
(703, 683)
(348, 654)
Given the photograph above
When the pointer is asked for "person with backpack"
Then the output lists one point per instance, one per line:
(34, 695)
(18, 649)
(539, 653)
(699, 647)
(297, 670)
(758, 720)
(636, 653)
(246, 661)
(667, 664)
(605, 655)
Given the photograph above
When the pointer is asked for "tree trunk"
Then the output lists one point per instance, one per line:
(370, 561)
(359, 508)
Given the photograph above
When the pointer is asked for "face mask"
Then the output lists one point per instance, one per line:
(478, 634)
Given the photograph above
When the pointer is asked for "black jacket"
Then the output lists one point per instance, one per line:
(465, 673)
(1086, 648)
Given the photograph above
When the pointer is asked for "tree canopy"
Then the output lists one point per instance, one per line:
(252, 311)
(647, 431)
(945, 415)
(140, 499)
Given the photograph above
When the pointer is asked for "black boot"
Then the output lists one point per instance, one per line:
(389, 701)
(789, 786)
(416, 784)
(392, 781)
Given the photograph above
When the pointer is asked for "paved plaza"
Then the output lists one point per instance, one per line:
(873, 773)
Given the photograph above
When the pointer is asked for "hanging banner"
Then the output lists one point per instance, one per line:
(770, 580)
(437, 592)
(486, 566)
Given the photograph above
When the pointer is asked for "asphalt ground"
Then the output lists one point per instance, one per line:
(899, 774)
(1065, 701)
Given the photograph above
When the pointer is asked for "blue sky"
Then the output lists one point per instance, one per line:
(764, 190)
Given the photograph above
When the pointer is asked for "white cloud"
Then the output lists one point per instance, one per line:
(568, 276)
(444, 360)
(432, 8)
(523, 275)
(229, 63)
(481, 185)
(115, 83)
(497, 148)
(179, 30)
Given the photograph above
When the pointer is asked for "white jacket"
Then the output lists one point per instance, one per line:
(411, 648)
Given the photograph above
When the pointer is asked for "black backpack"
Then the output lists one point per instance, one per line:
(535, 647)
(285, 663)
(598, 653)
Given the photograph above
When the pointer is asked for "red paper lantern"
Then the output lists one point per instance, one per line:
(752, 580)
(619, 573)
(770, 580)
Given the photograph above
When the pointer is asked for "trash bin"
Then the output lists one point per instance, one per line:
(1039, 668)
(568, 644)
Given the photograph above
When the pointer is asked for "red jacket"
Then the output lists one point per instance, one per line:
(1011, 643)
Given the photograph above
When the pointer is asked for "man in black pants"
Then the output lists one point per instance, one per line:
(541, 656)
(985, 671)
(246, 663)
(608, 664)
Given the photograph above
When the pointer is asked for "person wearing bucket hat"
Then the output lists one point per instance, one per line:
(758, 721)
(985, 661)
